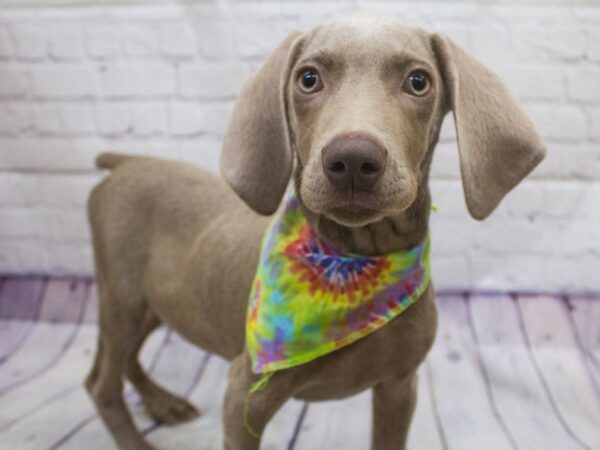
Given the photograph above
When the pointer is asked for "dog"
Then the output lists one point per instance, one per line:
(351, 111)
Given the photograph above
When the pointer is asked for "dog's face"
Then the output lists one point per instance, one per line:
(360, 100)
(363, 107)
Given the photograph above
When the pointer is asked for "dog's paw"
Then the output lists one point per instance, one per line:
(170, 409)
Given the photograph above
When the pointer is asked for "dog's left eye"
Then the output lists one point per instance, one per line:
(417, 83)
(309, 81)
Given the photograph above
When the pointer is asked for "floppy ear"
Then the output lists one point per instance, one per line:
(498, 144)
(256, 158)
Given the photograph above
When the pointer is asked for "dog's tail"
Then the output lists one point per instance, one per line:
(110, 160)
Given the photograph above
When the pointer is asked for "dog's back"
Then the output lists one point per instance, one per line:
(159, 227)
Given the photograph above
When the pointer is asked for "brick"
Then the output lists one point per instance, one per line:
(15, 81)
(549, 43)
(101, 41)
(452, 236)
(20, 256)
(7, 47)
(594, 115)
(593, 45)
(113, 119)
(46, 119)
(448, 197)
(65, 191)
(571, 199)
(66, 42)
(445, 164)
(149, 119)
(527, 237)
(204, 152)
(448, 131)
(214, 37)
(584, 84)
(61, 224)
(186, 119)
(15, 117)
(65, 81)
(211, 80)
(561, 276)
(578, 161)
(535, 82)
(139, 40)
(147, 79)
(64, 118)
(558, 122)
(18, 222)
(492, 45)
(78, 118)
(30, 41)
(44, 154)
(66, 258)
(177, 40)
(507, 272)
(529, 200)
(216, 117)
(258, 38)
(18, 190)
(451, 271)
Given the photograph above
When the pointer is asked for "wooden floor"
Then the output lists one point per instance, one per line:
(506, 372)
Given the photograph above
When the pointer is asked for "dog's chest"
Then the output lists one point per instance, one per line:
(395, 350)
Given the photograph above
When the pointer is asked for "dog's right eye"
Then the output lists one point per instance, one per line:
(417, 84)
(309, 81)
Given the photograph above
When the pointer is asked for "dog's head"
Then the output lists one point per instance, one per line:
(360, 100)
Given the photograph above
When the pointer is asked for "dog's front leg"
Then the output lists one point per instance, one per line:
(394, 402)
(246, 413)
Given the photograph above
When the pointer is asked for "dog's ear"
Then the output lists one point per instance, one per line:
(256, 158)
(498, 144)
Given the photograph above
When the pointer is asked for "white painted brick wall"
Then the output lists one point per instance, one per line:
(162, 78)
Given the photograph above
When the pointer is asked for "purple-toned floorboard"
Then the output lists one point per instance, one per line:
(507, 371)
(20, 299)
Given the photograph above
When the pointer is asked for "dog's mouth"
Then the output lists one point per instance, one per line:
(353, 214)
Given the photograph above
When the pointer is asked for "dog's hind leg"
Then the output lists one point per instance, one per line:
(161, 404)
(119, 328)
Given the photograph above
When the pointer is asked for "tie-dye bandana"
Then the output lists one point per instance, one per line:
(308, 299)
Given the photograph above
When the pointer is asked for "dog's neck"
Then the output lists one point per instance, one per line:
(391, 234)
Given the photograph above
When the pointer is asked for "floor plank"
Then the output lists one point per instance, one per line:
(504, 373)
(20, 301)
(19, 404)
(466, 411)
(585, 311)
(341, 424)
(205, 432)
(91, 314)
(424, 431)
(522, 402)
(86, 430)
(40, 429)
(280, 431)
(561, 364)
(62, 299)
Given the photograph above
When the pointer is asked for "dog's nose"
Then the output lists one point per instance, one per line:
(353, 162)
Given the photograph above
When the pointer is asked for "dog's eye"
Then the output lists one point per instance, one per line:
(417, 83)
(309, 81)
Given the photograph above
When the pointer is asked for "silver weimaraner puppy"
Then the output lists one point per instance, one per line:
(355, 106)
